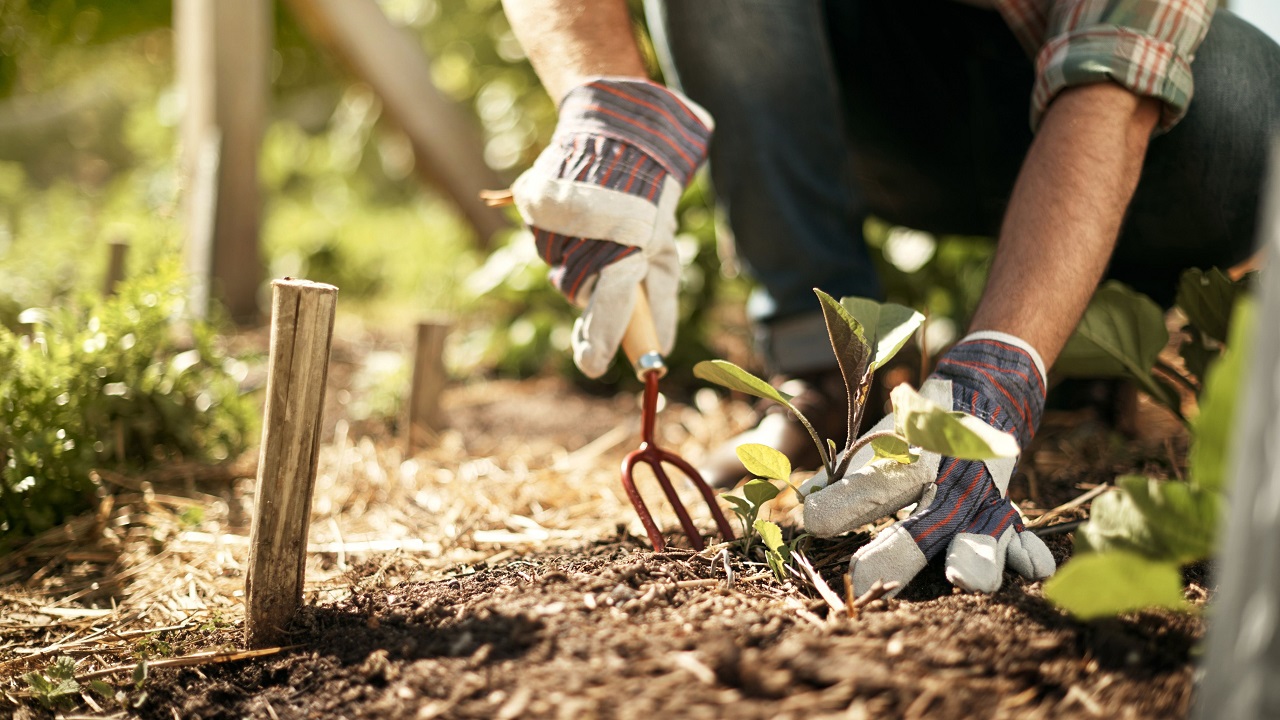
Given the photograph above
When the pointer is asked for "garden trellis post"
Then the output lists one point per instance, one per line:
(302, 315)
(447, 148)
(1242, 662)
(429, 377)
(223, 50)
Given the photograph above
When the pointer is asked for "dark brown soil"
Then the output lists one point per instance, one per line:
(607, 628)
(614, 630)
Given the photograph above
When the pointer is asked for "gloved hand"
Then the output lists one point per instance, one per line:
(601, 202)
(962, 506)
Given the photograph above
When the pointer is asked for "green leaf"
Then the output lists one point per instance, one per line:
(740, 506)
(852, 355)
(770, 534)
(1208, 457)
(886, 326)
(892, 447)
(1208, 297)
(1121, 334)
(102, 689)
(1164, 519)
(1095, 585)
(1196, 355)
(140, 673)
(763, 461)
(759, 492)
(726, 374)
(932, 428)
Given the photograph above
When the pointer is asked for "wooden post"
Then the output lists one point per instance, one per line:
(1242, 660)
(428, 383)
(301, 333)
(446, 146)
(223, 50)
(117, 251)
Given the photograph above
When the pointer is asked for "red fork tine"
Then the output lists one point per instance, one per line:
(641, 346)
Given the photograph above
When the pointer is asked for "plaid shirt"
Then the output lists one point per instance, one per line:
(1145, 45)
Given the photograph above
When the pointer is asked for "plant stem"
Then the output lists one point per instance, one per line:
(864, 441)
(1172, 373)
(822, 450)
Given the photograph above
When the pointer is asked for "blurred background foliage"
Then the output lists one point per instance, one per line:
(88, 154)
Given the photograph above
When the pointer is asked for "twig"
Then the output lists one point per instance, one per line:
(824, 590)
(1043, 519)
(201, 658)
(1058, 528)
(877, 590)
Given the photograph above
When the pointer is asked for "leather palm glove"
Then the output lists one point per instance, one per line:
(601, 201)
(962, 507)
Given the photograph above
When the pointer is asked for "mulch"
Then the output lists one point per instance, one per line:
(500, 573)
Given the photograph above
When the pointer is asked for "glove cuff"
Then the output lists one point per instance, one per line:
(1000, 379)
(669, 127)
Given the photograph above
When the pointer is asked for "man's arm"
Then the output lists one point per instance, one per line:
(569, 41)
(1065, 214)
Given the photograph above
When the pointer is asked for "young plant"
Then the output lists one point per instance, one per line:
(1129, 554)
(56, 687)
(1123, 331)
(766, 464)
(865, 335)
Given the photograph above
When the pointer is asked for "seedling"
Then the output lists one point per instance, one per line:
(865, 335)
(57, 686)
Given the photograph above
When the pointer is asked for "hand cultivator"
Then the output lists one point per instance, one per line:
(641, 346)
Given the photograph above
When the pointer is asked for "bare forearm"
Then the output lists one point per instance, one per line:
(1065, 214)
(571, 40)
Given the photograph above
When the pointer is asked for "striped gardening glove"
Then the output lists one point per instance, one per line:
(601, 202)
(962, 506)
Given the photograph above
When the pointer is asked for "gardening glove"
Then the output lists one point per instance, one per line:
(601, 202)
(962, 506)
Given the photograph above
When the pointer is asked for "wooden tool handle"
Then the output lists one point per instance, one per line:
(640, 342)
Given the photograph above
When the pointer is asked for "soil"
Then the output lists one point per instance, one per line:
(597, 625)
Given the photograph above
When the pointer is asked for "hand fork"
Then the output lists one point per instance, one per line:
(641, 346)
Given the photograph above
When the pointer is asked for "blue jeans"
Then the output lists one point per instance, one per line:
(917, 111)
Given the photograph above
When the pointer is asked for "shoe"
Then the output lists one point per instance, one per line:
(820, 397)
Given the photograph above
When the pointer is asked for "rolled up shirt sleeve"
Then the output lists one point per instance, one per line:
(1144, 45)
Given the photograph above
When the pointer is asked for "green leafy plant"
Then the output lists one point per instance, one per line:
(1141, 533)
(125, 383)
(778, 552)
(865, 335)
(120, 695)
(1123, 331)
(757, 491)
(56, 687)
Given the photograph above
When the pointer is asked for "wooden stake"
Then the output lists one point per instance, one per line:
(301, 334)
(116, 253)
(429, 379)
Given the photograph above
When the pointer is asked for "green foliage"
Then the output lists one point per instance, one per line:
(57, 686)
(1101, 585)
(1129, 553)
(919, 422)
(1165, 519)
(923, 424)
(755, 493)
(886, 326)
(1208, 298)
(764, 462)
(1121, 335)
(777, 552)
(110, 383)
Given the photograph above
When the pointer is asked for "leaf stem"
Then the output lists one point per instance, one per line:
(864, 441)
(1172, 373)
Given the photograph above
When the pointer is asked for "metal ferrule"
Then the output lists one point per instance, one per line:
(650, 362)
